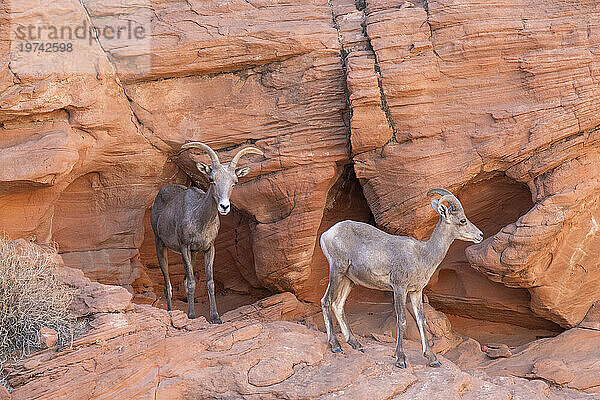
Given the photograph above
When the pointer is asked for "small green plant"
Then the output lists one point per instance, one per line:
(31, 297)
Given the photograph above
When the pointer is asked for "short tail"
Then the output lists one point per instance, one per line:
(323, 245)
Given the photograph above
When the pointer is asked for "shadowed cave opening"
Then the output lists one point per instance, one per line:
(235, 278)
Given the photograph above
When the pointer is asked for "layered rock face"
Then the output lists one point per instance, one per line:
(496, 102)
(100, 132)
(141, 352)
(476, 96)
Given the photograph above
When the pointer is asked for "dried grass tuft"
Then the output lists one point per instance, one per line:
(31, 297)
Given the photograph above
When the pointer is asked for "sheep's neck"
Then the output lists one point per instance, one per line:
(437, 246)
(207, 209)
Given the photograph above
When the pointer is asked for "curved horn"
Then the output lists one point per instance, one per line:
(440, 191)
(446, 196)
(246, 150)
(213, 156)
(452, 201)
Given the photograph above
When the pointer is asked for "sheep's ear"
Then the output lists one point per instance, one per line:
(443, 210)
(439, 208)
(243, 171)
(205, 169)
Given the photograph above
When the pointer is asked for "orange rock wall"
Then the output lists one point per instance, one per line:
(498, 102)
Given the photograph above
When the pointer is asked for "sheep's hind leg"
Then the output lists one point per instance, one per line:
(326, 302)
(338, 310)
(400, 306)
(416, 299)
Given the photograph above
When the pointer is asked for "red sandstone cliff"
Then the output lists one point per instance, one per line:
(498, 102)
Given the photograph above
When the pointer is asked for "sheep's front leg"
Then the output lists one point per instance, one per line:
(416, 299)
(163, 261)
(189, 281)
(400, 306)
(209, 257)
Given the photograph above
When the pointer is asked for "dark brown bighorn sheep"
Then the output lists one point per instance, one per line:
(360, 254)
(186, 220)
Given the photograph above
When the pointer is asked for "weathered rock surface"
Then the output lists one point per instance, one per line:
(592, 318)
(497, 351)
(151, 353)
(569, 359)
(4, 393)
(48, 337)
(140, 351)
(93, 297)
(99, 127)
(480, 93)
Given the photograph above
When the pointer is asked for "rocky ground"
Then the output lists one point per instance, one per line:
(143, 352)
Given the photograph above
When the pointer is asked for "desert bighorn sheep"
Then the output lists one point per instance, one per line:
(360, 254)
(187, 221)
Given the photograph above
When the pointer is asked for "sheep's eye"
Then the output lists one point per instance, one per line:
(463, 221)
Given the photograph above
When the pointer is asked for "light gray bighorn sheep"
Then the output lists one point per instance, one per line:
(360, 254)
(186, 221)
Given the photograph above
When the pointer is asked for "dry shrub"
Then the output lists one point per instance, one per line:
(31, 297)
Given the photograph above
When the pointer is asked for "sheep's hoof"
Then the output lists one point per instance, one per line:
(356, 346)
(401, 364)
(216, 320)
(336, 349)
(435, 364)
